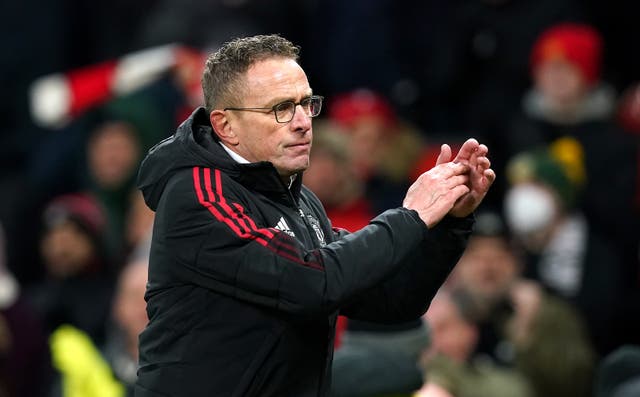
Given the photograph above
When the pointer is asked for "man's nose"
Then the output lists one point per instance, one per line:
(301, 119)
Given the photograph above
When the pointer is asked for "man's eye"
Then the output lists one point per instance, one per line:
(283, 106)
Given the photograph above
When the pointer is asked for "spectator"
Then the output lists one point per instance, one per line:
(113, 155)
(129, 319)
(374, 132)
(628, 109)
(332, 178)
(564, 251)
(520, 325)
(78, 284)
(569, 99)
(449, 361)
(138, 222)
(24, 359)
(90, 369)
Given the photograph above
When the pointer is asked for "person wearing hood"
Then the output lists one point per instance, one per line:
(570, 99)
(246, 274)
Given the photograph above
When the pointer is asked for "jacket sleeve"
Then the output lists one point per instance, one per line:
(210, 240)
(408, 294)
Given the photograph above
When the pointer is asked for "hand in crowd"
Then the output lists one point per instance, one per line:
(433, 390)
(526, 297)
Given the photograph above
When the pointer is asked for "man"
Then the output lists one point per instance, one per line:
(246, 275)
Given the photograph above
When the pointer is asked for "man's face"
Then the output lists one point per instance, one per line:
(260, 136)
(487, 268)
(452, 335)
(560, 82)
(113, 154)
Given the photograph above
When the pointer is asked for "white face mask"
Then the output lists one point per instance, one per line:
(529, 208)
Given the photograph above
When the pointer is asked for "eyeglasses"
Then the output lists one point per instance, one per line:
(284, 111)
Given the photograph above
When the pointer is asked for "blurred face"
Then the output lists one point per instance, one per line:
(367, 140)
(113, 154)
(259, 136)
(130, 306)
(532, 211)
(324, 177)
(452, 336)
(139, 220)
(560, 82)
(487, 268)
(66, 250)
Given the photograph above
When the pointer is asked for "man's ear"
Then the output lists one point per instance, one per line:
(222, 127)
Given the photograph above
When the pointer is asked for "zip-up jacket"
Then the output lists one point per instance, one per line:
(247, 276)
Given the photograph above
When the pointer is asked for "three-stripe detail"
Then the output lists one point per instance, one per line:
(233, 216)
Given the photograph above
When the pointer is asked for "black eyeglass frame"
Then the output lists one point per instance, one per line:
(303, 102)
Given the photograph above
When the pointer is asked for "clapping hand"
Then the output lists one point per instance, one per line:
(481, 176)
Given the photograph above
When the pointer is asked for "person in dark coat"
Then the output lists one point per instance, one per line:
(246, 274)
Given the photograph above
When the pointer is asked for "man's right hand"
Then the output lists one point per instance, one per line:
(436, 191)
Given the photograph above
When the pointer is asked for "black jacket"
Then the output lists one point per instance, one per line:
(247, 276)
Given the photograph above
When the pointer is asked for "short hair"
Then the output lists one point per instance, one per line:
(223, 73)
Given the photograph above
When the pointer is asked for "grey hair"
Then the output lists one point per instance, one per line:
(224, 70)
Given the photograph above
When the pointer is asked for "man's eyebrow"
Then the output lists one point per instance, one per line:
(279, 100)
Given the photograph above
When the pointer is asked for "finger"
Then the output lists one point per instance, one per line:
(467, 149)
(457, 180)
(490, 175)
(446, 170)
(450, 169)
(483, 150)
(459, 191)
(483, 163)
(445, 154)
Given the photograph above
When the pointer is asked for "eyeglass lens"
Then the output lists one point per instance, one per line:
(286, 110)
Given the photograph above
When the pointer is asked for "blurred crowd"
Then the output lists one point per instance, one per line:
(544, 302)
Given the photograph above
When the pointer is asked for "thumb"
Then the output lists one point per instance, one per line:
(445, 154)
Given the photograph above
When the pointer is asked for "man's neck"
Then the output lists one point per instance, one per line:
(288, 181)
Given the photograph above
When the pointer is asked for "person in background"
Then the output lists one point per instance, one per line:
(88, 369)
(138, 223)
(79, 283)
(382, 147)
(113, 156)
(246, 275)
(569, 99)
(332, 178)
(519, 325)
(564, 251)
(24, 356)
(129, 319)
(450, 368)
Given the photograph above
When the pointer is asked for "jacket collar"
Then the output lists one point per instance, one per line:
(260, 176)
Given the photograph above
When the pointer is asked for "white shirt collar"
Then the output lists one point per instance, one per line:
(234, 155)
(242, 160)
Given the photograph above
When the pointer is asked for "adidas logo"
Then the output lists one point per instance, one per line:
(284, 227)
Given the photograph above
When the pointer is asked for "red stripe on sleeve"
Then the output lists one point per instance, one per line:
(241, 224)
(238, 213)
(216, 213)
(242, 219)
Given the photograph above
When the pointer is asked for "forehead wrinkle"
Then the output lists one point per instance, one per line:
(276, 82)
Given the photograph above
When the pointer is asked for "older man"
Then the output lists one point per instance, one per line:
(246, 274)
